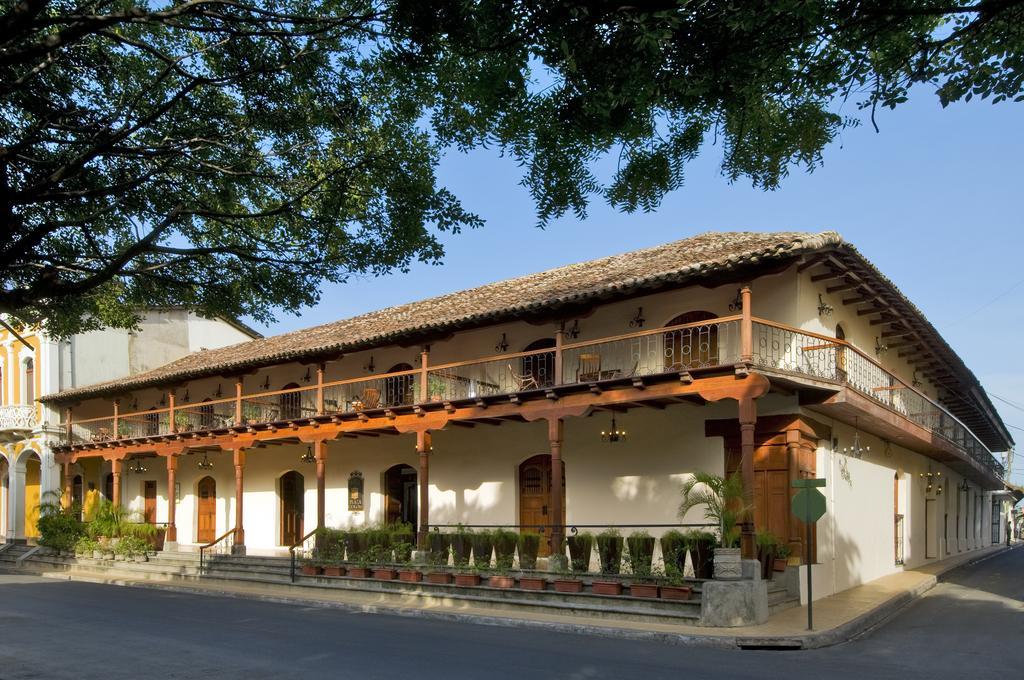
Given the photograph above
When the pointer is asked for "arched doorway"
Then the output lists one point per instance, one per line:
(398, 390)
(290, 403)
(33, 474)
(108, 487)
(402, 495)
(293, 491)
(206, 510)
(694, 346)
(535, 498)
(540, 366)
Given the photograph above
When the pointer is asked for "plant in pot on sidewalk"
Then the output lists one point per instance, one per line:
(767, 548)
(674, 545)
(528, 545)
(782, 553)
(566, 580)
(403, 540)
(640, 547)
(407, 571)
(609, 553)
(504, 548)
(483, 547)
(438, 550)
(673, 585)
(722, 498)
(581, 546)
(461, 541)
(132, 549)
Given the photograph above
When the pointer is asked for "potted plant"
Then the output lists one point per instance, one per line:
(529, 545)
(674, 545)
(673, 585)
(609, 550)
(702, 549)
(782, 553)
(641, 552)
(564, 583)
(501, 579)
(378, 542)
(643, 589)
(580, 548)
(722, 498)
(462, 546)
(438, 549)
(767, 545)
(407, 572)
(483, 547)
(504, 548)
(403, 540)
(467, 576)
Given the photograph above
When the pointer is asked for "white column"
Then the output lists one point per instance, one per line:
(16, 502)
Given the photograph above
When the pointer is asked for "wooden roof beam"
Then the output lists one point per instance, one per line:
(848, 285)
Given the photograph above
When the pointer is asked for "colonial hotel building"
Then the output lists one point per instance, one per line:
(777, 355)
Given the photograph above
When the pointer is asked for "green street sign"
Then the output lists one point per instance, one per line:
(808, 505)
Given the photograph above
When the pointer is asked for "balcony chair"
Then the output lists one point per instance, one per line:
(369, 399)
(589, 369)
(523, 382)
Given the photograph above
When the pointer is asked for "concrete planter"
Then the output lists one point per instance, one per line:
(310, 570)
(410, 575)
(359, 572)
(533, 583)
(334, 571)
(440, 578)
(680, 593)
(568, 585)
(97, 554)
(140, 559)
(606, 588)
(649, 590)
(467, 579)
(728, 564)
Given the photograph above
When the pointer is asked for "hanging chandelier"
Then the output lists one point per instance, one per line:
(205, 463)
(856, 449)
(308, 456)
(614, 434)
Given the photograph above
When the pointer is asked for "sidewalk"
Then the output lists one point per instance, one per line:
(837, 618)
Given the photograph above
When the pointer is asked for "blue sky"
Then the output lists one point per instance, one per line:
(934, 200)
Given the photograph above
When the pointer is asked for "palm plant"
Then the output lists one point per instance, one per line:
(722, 498)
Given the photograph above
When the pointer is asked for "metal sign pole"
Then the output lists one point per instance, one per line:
(810, 590)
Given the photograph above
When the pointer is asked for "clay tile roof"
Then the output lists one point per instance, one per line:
(677, 262)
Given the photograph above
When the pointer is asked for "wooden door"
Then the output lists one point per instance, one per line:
(206, 526)
(535, 498)
(149, 494)
(292, 507)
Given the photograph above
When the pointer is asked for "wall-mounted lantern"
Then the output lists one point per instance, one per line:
(824, 309)
(638, 319)
(574, 332)
(502, 345)
(880, 349)
(737, 304)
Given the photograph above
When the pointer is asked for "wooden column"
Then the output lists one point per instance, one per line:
(239, 456)
(238, 401)
(116, 434)
(172, 500)
(424, 375)
(173, 426)
(559, 341)
(67, 485)
(423, 448)
(320, 389)
(793, 437)
(320, 453)
(70, 429)
(746, 328)
(555, 435)
(748, 421)
(115, 469)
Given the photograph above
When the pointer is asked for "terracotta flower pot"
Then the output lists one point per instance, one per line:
(410, 575)
(310, 570)
(441, 578)
(568, 585)
(467, 579)
(533, 583)
(781, 563)
(676, 592)
(334, 571)
(643, 590)
(359, 572)
(385, 574)
(606, 588)
(501, 581)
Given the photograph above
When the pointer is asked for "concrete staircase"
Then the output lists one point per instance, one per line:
(184, 568)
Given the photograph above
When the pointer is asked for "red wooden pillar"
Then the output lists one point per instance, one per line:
(172, 499)
(115, 469)
(793, 437)
(239, 459)
(748, 421)
(746, 328)
(321, 483)
(423, 448)
(555, 435)
(68, 500)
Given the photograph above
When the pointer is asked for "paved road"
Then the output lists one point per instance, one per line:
(972, 624)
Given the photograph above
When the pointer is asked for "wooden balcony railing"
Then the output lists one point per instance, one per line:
(674, 349)
(791, 350)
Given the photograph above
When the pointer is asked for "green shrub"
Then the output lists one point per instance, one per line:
(59, 527)
(504, 548)
(609, 550)
(529, 546)
(580, 548)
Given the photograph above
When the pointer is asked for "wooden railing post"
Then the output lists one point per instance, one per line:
(424, 376)
(559, 341)
(320, 389)
(170, 412)
(746, 328)
(238, 401)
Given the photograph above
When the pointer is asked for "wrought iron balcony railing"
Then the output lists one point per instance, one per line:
(791, 350)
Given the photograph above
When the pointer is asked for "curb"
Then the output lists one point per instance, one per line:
(846, 632)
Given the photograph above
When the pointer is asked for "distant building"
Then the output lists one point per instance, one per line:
(41, 366)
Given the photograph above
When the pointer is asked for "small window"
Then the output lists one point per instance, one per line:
(30, 381)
